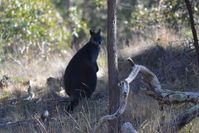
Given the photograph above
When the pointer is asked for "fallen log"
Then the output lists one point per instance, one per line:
(187, 116)
(163, 96)
(180, 121)
(153, 87)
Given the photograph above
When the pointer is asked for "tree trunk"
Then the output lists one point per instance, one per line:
(193, 29)
(112, 65)
(68, 5)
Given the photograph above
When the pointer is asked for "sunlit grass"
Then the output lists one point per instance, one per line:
(142, 111)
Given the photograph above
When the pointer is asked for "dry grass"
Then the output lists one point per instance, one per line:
(142, 110)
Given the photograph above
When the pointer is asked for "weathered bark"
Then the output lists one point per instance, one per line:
(163, 96)
(125, 91)
(153, 88)
(68, 7)
(193, 29)
(184, 118)
(68, 4)
(180, 121)
(112, 64)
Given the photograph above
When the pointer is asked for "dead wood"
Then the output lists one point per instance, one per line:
(123, 102)
(163, 96)
(180, 121)
(153, 88)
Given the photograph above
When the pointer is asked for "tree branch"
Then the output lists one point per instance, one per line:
(193, 29)
(125, 91)
(153, 89)
(181, 120)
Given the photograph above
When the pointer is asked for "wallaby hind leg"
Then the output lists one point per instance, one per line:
(75, 97)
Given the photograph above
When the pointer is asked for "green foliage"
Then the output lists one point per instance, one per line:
(39, 26)
(142, 16)
(28, 27)
(99, 3)
(76, 21)
(31, 25)
(72, 15)
(171, 13)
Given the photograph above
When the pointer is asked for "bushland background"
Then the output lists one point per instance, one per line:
(39, 37)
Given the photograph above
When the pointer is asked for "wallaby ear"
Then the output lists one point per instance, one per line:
(91, 32)
(99, 31)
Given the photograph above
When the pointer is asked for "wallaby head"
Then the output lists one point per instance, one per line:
(96, 37)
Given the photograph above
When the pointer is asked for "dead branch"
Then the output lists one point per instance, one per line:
(186, 117)
(153, 88)
(125, 91)
(193, 28)
(164, 96)
(181, 120)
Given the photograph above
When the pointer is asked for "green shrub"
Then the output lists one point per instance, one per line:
(31, 25)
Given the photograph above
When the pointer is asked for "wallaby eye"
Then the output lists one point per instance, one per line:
(98, 39)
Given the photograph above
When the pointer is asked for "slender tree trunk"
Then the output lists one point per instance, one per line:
(112, 65)
(194, 33)
(68, 5)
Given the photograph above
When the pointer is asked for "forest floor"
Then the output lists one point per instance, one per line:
(29, 87)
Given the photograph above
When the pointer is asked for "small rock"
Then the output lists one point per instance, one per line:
(127, 127)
